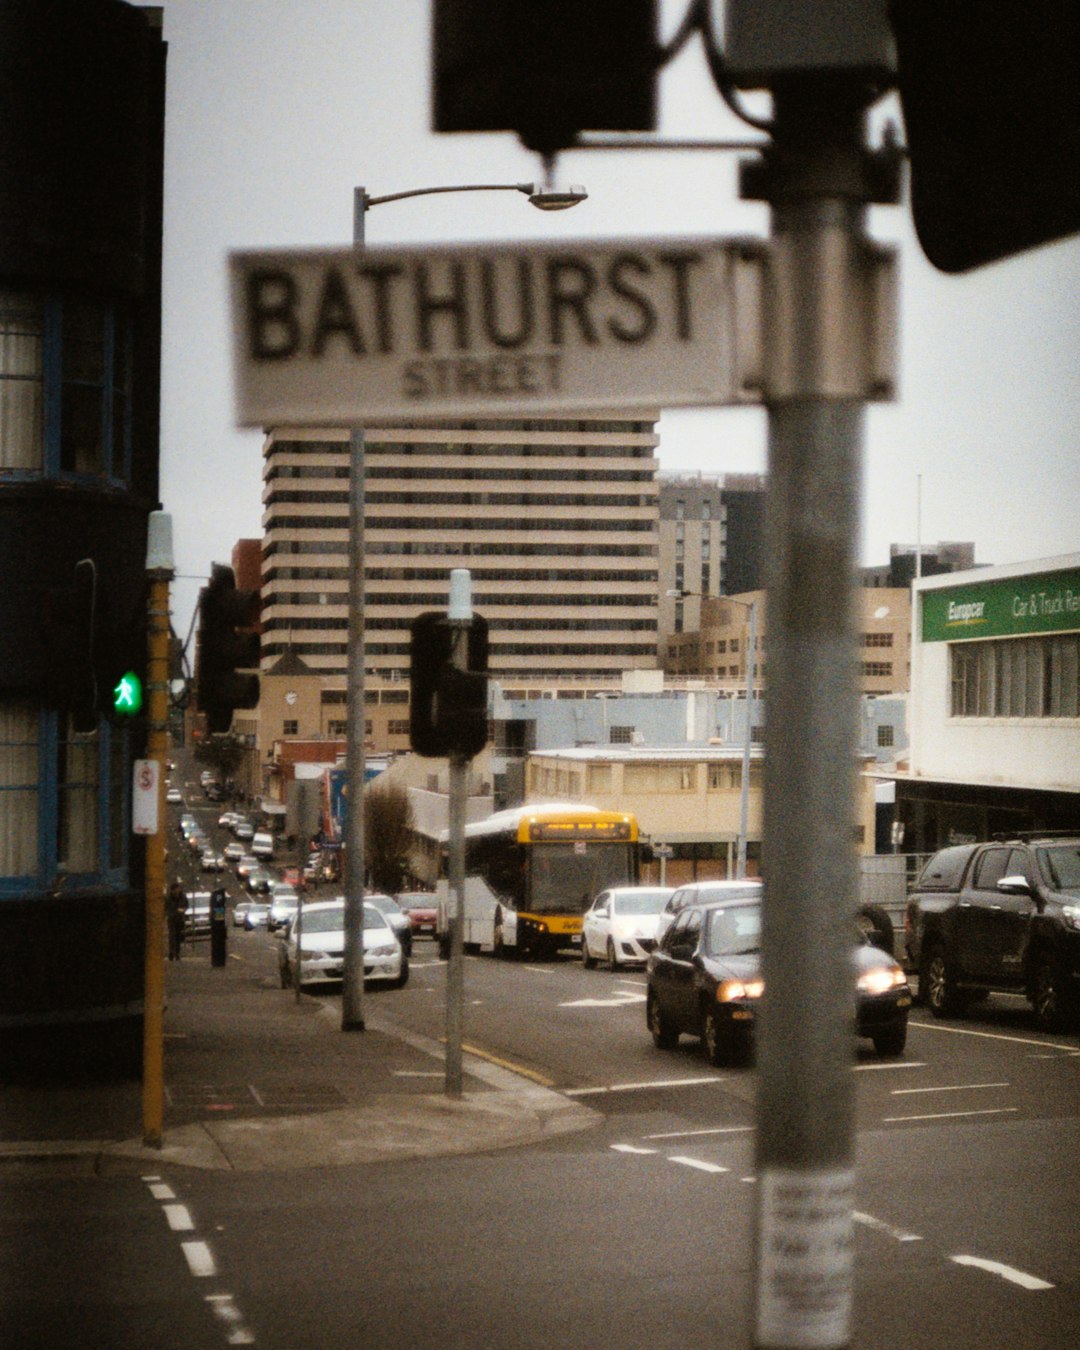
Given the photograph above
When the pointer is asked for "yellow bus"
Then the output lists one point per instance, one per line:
(531, 872)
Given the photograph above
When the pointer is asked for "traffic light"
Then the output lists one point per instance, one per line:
(228, 653)
(990, 91)
(447, 706)
(547, 69)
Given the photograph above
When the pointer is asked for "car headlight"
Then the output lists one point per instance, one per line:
(382, 951)
(881, 979)
(729, 991)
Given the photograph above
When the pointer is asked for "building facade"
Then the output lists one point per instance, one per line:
(995, 704)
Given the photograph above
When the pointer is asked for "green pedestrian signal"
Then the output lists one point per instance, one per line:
(127, 695)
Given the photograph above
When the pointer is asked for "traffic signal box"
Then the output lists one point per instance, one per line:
(228, 649)
(448, 705)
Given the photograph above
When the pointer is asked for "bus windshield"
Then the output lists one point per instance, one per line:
(563, 880)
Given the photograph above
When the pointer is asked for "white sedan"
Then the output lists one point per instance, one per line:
(620, 925)
(321, 928)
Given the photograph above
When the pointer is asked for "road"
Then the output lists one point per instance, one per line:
(636, 1233)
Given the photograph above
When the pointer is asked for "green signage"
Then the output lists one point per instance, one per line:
(127, 695)
(1044, 602)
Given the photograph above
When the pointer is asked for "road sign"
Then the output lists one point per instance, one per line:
(145, 796)
(337, 338)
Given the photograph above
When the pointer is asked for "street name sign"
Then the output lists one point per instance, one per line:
(346, 336)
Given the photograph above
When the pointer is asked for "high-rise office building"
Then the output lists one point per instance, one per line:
(555, 519)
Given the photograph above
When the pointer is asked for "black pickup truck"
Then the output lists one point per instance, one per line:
(1001, 916)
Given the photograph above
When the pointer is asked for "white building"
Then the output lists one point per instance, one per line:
(995, 703)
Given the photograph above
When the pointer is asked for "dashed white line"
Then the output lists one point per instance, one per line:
(880, 1226)
(179, 1218)
(1010, 1273)
(631, 1148)
(951, 1087)
(200, 1259)
(693, 1134)
(697, 1163)
(640, 1087)
(160, 1191)
(878, 1065)
(952, 1115)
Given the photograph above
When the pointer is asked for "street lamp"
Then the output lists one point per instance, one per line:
(544, 198)
(744, 791)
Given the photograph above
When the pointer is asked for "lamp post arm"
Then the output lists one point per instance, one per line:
(527, 188)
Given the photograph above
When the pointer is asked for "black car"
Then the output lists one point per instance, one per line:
(704, 979)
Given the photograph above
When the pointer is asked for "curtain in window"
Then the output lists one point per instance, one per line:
(18, 790)
(21, 382)
(77, 781)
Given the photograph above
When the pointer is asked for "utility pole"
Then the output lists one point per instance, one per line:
(459, 616)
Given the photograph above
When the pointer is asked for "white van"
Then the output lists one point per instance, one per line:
(262, 845)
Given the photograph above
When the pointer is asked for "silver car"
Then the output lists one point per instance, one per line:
(315, 946)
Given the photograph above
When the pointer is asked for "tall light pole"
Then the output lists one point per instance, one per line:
(751, 660)
(544, 198)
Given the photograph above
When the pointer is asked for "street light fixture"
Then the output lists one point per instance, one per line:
(744, 788)
(545, 198)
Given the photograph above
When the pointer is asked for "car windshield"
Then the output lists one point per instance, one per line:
(1060, 864)
(324, 920)
(384, 903)
(639, 902)
(734, 930)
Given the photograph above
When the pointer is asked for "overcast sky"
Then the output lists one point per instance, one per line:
(277, 109)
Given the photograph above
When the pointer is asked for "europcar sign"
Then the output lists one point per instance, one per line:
(1047, 602)
(347, 336)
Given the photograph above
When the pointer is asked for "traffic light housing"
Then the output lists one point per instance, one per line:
(547, 69)
(447, 705)
(228, 653)
(991, 98)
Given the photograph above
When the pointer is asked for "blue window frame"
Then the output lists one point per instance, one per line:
(65, 387)
(64, 808)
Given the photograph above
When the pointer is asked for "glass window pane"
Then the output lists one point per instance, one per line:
(21, 385)
(82, 392)
(19, 760)
(77, 792)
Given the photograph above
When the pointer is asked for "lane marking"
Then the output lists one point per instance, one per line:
(631, 1148)
(1010, 1273)
(692, 1134)
(952, 1087)
(640, 1087)
(160, 1191)
(880, 1226)
(698, 1164)
(991, 1036)
(200, 1259)
(179, 1218)
(619, 999)
(952, 1115)
(899, 1064)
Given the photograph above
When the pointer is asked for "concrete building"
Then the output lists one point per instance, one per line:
(711, 541)
(556, 520)
(929, 560)
(718, 650)
(995, 704)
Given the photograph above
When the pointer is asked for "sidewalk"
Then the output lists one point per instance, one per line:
(254, 1080)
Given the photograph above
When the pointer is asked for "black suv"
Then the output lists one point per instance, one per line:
(1003, 916)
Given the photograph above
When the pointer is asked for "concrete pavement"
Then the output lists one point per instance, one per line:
(255, 1079)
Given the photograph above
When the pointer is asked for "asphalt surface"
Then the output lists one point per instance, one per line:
(255, 1079)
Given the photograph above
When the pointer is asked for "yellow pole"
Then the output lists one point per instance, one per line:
(157, 673)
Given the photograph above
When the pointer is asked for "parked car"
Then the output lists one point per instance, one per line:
(259, 881)
(233, 851)
(620, 925)
(421, 908)
(211, 861)
(240, 912)
(225, 820)
(243, 829)
(262, 844)
(247, 864)
(284, 903)
(174, 796)
(704, 979)
(256, 914)
(395, 916)
(318, 950)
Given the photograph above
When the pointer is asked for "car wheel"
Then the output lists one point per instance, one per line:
(664, 1035)
(442, 941)
(612, 958)
(1047, 993)
(874, 923)
(891, 1041)
(286, 976)
(714, 1038)
(403, 979)
(938, 980)
(587, 958)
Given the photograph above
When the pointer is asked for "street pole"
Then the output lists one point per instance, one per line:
(459, 616)
(159, 569)
(352, 987)
(744, 787)
(821, 322)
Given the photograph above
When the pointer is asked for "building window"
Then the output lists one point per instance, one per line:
(398, 726)
(621, 735)
(1016, 677)
(65, 387)
(63, 802)
(886, 736)
(337, 728)
(724, 777)
(290, 727)
(877, 669)
(877, 639)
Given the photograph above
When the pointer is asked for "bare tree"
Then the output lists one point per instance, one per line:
(388, 831)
